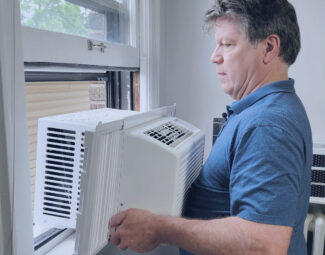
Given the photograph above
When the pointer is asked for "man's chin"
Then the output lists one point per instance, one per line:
(226, 89)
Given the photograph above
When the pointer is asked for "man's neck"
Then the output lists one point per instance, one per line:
(279, 72)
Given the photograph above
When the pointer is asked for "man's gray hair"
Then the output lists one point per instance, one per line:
(261, 18)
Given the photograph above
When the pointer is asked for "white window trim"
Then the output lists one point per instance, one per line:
(55, 47)
(149, 54)
(15, 130)
(5, 206)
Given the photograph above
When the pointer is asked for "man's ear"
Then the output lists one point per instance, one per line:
(272, 48)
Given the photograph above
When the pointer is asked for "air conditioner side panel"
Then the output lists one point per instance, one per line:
(148, 174)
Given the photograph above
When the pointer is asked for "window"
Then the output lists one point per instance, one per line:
(102, 20)
(87, 32)
(60, 53)
(63, 74)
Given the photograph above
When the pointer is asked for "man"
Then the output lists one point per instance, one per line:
(253, 191)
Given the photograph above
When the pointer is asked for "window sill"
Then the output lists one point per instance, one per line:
(61, 244)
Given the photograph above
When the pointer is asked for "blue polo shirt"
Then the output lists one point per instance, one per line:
(259, 167)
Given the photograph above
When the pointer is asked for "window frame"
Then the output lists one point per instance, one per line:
(150, 53)
(53, 47)
(57, 47)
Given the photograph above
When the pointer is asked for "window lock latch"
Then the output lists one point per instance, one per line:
(91, 45)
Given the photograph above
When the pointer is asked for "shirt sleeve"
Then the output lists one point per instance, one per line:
(265, 176)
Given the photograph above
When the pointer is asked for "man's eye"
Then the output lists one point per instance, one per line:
(227, 45)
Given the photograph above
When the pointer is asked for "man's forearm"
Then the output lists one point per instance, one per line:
(142, 231)
(220, 236)
(202, 237)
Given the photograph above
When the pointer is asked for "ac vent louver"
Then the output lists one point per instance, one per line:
(169, 133)
(58, 174)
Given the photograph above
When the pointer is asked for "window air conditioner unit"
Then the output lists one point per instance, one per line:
(94, 164)
(318, 175)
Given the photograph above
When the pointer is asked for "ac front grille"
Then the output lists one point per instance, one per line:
(58, 173)
(169, 133)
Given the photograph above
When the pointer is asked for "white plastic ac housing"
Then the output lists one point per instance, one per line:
(93, 164)
(158, 158)
(60, 155)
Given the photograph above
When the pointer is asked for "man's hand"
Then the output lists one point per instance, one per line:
(135, 229)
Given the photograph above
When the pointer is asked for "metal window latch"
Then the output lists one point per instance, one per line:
(91, 45)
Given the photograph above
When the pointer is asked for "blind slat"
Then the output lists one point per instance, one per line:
(58, 110)
(35, 106)
(57, 96)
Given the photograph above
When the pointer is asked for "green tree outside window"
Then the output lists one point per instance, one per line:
(56, 15)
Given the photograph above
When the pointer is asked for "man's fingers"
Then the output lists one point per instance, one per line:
(115, 239)
(122, 246)
(117, 219)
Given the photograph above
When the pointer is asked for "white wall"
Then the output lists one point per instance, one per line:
(309, 69)
(187, 76)
(189, 79)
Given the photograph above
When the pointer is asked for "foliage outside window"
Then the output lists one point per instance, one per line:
(81, 18)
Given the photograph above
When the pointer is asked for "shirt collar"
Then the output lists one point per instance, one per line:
(286, 86)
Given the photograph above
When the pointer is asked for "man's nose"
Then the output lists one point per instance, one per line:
(216, 57)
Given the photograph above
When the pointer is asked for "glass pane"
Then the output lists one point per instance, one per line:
(101, 20)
